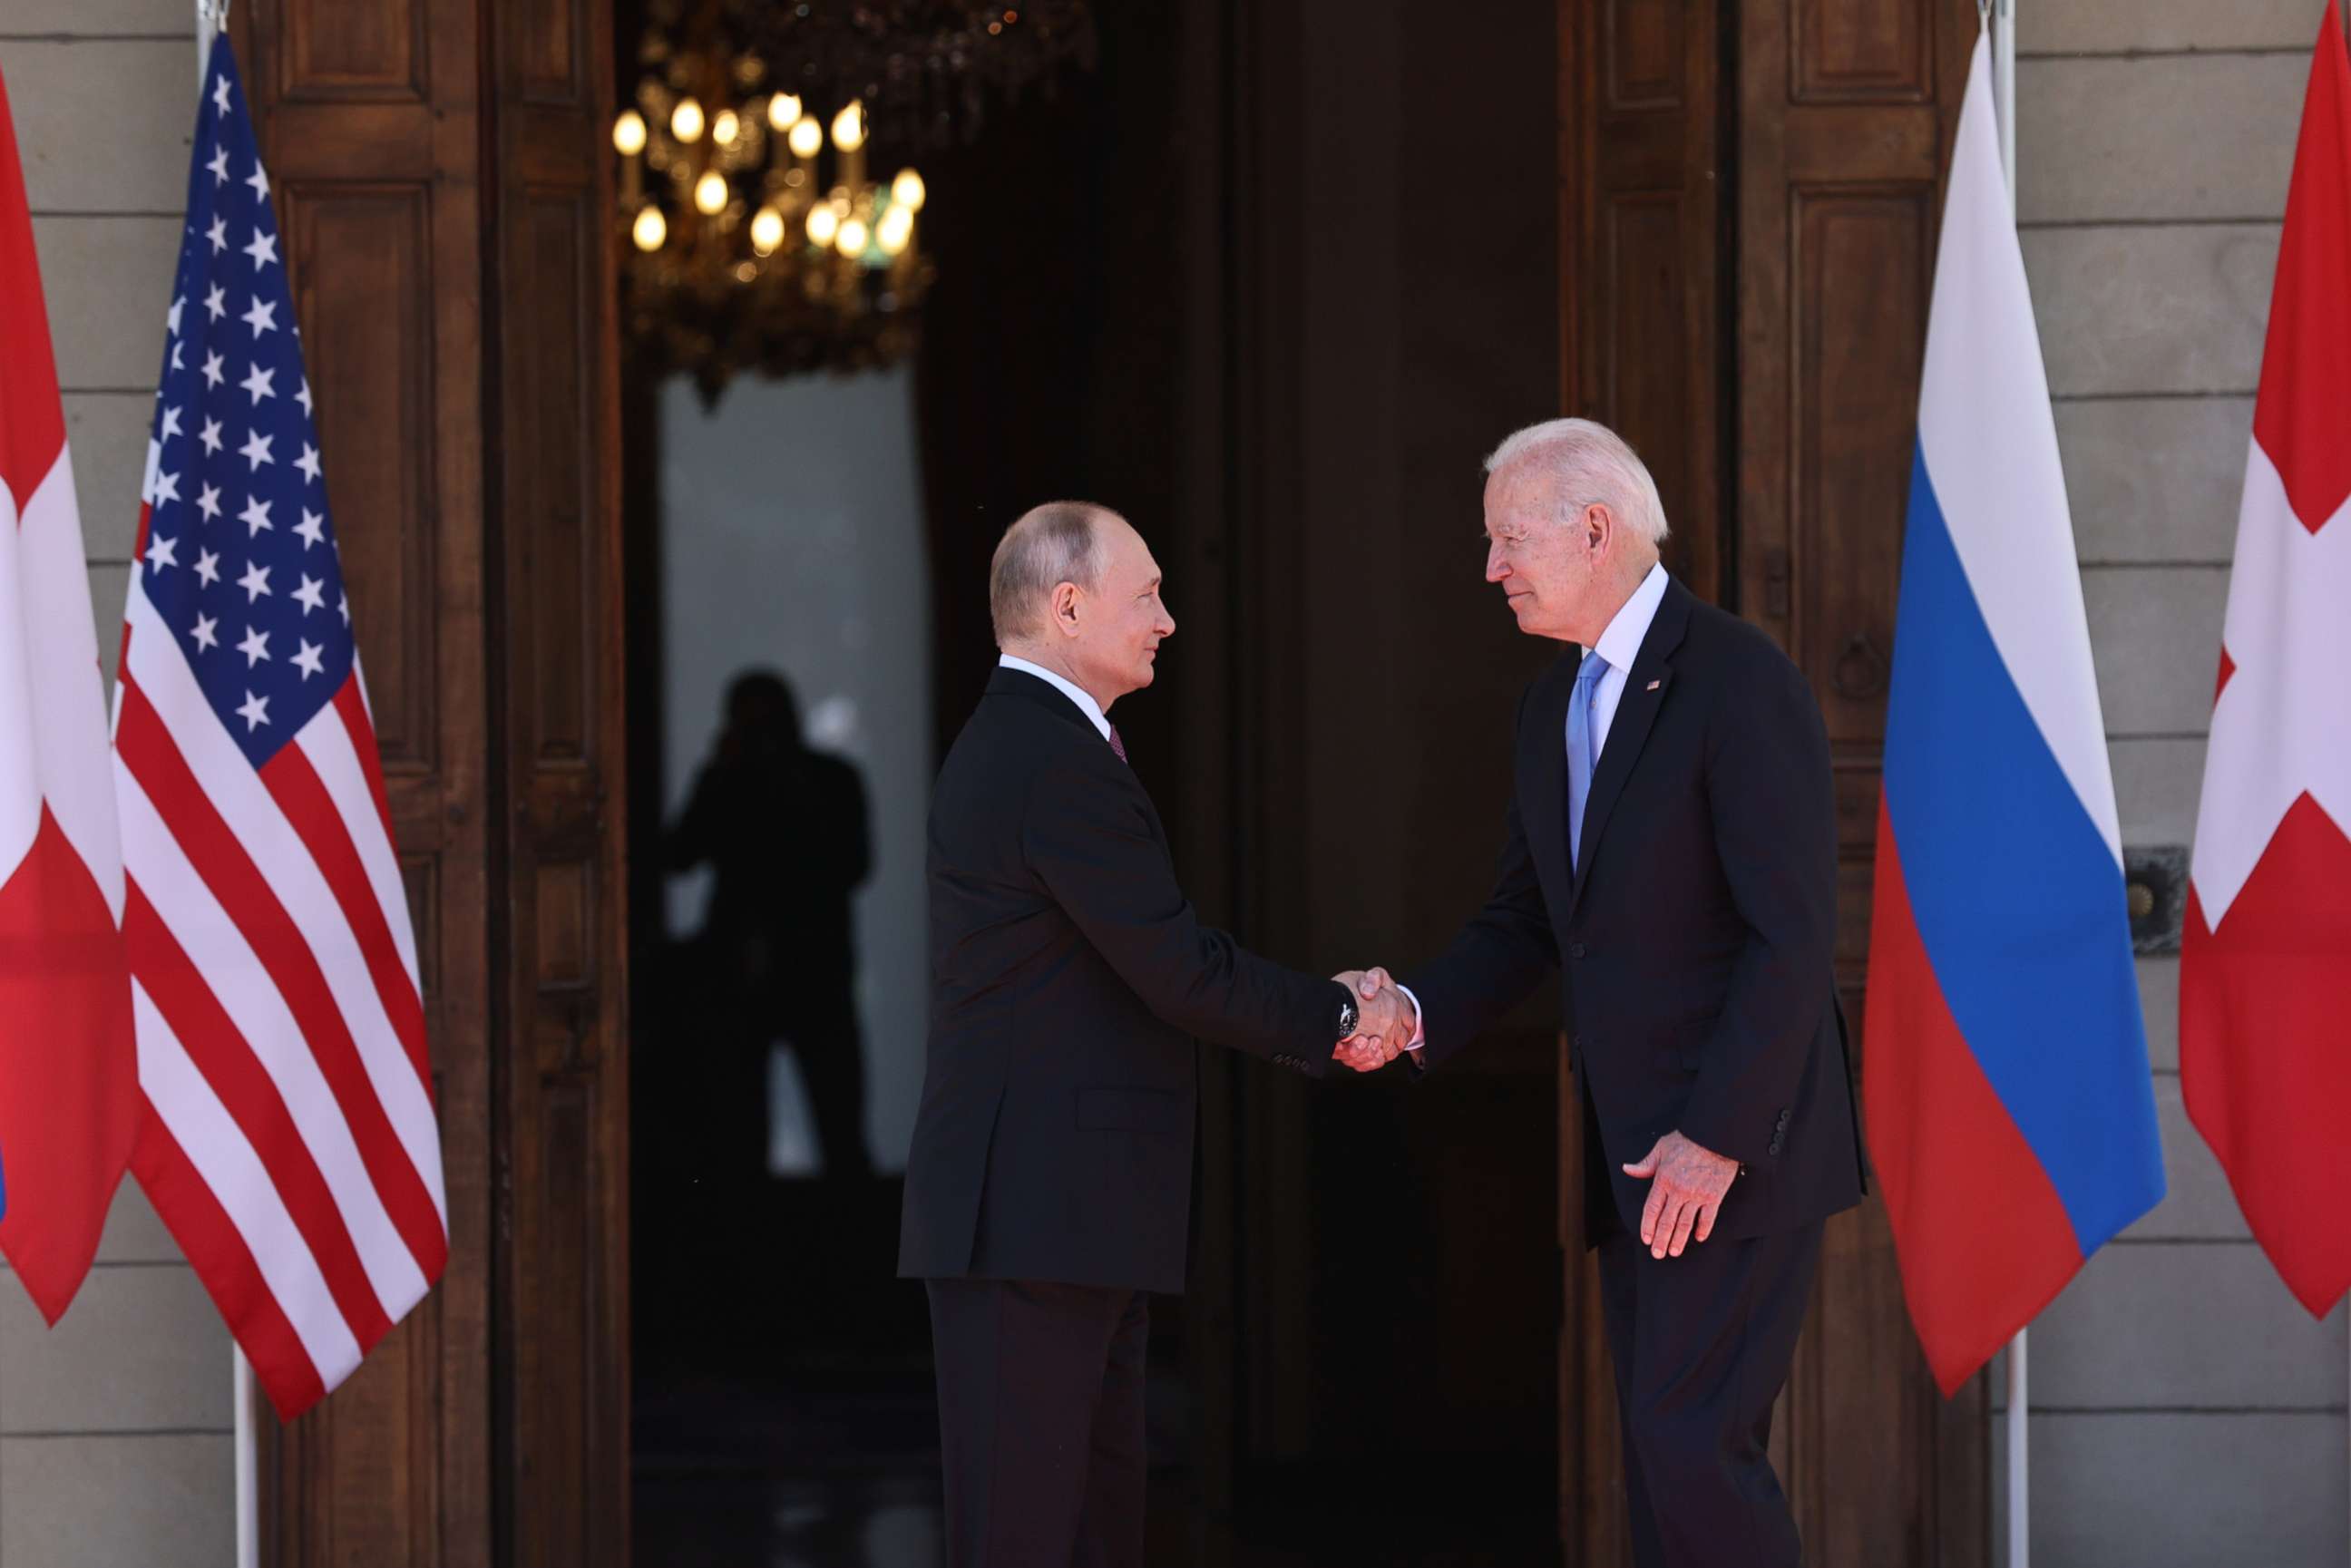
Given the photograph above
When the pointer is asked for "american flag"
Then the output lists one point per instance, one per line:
(289, 1142)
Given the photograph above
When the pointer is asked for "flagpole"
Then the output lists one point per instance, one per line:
(211, 15)
(2004, 90)
(2000, 18)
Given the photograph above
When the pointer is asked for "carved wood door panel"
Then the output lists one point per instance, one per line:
(1643, 224)
(562, 1332)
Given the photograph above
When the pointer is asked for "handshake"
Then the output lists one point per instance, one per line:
(1386, 1023)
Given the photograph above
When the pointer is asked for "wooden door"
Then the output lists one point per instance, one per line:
(1752, 188)
(1643, 236)
(555, 550)
(436, 239)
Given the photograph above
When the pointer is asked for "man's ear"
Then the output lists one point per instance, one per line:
(1066, 596)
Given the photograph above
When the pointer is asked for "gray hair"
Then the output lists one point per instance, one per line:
(1588, 462)
(1045, 547)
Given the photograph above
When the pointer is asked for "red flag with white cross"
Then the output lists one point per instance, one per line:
(68, 1075)
(2265, 959)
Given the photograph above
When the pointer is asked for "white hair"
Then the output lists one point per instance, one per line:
(1588, 462)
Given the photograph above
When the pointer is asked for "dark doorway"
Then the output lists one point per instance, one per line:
(1204, 282)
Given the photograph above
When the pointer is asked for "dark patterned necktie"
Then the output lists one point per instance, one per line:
(1118, 746)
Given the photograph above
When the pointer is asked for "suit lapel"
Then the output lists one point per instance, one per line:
(1646, 686)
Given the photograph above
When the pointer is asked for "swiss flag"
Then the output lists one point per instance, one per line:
(68, 1068)
(2265, 961)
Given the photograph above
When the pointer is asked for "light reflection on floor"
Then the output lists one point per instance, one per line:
(750, 1521)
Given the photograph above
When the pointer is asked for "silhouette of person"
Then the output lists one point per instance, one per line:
(784, 830)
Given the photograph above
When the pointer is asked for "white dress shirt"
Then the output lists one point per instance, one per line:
(1620, 644)
(1069, 688)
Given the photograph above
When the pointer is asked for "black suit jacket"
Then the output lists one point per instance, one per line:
(1069, 975)
(1696, 938)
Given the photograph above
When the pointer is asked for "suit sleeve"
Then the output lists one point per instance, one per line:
(1087, 835)
(1772, 797)
(1500, 955)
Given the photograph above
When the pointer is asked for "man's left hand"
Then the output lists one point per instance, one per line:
(1685, 1196)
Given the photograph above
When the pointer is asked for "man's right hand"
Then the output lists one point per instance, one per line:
(1386, 1025)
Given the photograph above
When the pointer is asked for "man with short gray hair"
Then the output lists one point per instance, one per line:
(1048, 1186)
(1671, 845)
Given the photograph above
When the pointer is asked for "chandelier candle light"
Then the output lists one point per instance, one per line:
(741, 252)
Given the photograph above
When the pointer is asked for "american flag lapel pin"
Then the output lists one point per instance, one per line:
(1653, 685)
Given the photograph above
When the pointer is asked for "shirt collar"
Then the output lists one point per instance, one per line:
(1620, 644)
(1068, 688)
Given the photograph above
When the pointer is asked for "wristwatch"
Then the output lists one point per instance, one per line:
(1350, 1016)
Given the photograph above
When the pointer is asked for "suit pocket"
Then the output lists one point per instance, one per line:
(1133, 1111)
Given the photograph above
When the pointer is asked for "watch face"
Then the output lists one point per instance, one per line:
(1347, 1015)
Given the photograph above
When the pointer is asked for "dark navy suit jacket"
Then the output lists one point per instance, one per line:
(1068, 976)
(1695, 939)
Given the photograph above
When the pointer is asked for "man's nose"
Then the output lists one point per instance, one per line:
(1496, 568)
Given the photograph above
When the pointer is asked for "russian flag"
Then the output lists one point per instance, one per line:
(2011, 1110)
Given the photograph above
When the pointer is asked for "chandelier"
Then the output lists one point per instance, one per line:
(925, 68)
(757, 238)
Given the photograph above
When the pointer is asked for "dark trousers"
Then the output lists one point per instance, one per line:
(1702, 1344)
(1040, 1422)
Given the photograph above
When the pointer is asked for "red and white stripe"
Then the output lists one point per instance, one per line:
(67, 1106)
(291, 1144)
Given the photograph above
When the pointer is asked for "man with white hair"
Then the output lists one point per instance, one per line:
(1671, 845)
(1049, 1187)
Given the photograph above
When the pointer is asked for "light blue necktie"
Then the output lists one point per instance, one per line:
(1583, 751)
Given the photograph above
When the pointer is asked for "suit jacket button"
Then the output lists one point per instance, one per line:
(1575, 950)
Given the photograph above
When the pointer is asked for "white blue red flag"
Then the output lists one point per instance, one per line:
(2265, 959)
(2010, 1109)
(68, 1098)
(291, 1143)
